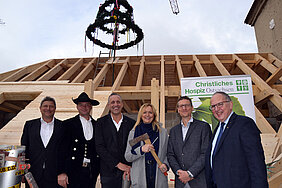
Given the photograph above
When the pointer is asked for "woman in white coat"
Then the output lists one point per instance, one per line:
(145, 172)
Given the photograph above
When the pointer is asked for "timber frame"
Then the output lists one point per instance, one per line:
(154, 79)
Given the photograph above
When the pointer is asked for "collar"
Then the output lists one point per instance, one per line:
(226, 121)
(120, 121)
(83, 119)
(42, 121)
(189, 122)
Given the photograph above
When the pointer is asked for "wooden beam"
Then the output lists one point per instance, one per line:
(155, 94)
(100, 76)
(5, 109)
(126, 107)
(17, 75)
(21, 96)
(71, 70)
(199, 67)
(82, 75)
(275, 180)
(140, 73)
(264, 63)
(274, 60)
(260, 83)
(262, 97)
(162, 92)
(12, 106)
(120, 76)
(223, 71)
(271, 68)
(52, 72)
(88, 88)
(275, 76)
(37, 72)
(2, 98)
(179, 68)
(135, 95)
(262, 123)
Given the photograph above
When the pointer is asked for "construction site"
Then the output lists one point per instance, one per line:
(151, 79)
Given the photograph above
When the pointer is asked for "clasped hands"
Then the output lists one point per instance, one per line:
(126, 170)
(183, 176)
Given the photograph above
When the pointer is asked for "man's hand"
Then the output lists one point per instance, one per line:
(63, 180)
(126, 175)
(123, 167)
(183, 176)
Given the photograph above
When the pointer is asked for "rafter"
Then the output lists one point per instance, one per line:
(199, 67)
(37, 72)
(52, 72)
(71, 70)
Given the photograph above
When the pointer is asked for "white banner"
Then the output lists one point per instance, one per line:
(200, 90)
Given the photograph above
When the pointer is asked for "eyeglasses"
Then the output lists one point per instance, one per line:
(218, 105)
(184, 105)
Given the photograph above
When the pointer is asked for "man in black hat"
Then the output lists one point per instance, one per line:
(79, 163)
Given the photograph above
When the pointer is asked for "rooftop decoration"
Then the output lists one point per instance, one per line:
(115, 17)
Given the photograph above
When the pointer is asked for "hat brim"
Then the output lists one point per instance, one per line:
(92, 101)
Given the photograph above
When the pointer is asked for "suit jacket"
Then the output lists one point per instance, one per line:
(38, 155)
(111, 144)
(190, 153)
(239, 159)
(138, 171)
(73, 150)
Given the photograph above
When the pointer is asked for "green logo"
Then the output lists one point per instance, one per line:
(242, 85)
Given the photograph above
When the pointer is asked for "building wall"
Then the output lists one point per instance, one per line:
(270, 40)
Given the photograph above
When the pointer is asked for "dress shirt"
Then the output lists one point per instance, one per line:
(119, 123)
(216, 135)
(87, 127)
(185, 128)
(46, 131)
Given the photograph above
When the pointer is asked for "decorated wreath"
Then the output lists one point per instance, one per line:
(114, 17)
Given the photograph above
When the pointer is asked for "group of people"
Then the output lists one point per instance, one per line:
(72, 153)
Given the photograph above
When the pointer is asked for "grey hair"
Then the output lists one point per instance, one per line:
(227, 97)
(112, 94)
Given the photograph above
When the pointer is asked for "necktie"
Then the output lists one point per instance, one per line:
(218, 137)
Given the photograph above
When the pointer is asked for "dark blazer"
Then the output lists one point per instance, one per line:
(239, 158)
(111, 144)
(190, 153)
(38, 154)
(73, 150)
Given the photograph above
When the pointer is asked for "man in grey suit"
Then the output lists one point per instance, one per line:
(187, 144)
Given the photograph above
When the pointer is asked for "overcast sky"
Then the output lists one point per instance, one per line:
(37, 30)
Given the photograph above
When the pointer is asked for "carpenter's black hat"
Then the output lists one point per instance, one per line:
(83, 97)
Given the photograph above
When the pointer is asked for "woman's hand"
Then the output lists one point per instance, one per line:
(147, 148)
(163, 168)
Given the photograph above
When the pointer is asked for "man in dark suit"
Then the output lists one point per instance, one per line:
(235, 155)
(111, 139)
(187, 145)
(78, 165)
(41, 137)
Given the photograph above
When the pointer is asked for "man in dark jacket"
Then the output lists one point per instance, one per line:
(78, 165)
(235, 156)
(41, 137)
(187, 145)
(111, 139)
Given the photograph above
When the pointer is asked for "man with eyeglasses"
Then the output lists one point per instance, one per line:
(235, 155)
(187, 145)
